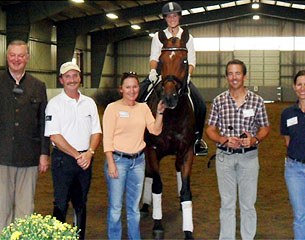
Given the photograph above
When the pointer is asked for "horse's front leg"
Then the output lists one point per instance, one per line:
(157, 187)
(153, 166)
(186, 195)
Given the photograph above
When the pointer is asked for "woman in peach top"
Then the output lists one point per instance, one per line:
(124, 124)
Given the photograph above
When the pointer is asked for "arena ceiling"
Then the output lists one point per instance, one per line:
(91, 15)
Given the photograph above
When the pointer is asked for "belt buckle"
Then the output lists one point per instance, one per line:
(227, 150)
(230, 150)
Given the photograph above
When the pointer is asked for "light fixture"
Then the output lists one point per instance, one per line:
(78, 1)
(112, 16)
(256, 17)
(255, 6)
(197, 10)
(185, 12)
(135, 27)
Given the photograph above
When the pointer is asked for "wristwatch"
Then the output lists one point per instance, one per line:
(91, 151)
(257, 141)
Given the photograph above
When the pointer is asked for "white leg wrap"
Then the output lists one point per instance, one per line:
(157, 206)
(179, 182)
(147, 191)
(187, 211)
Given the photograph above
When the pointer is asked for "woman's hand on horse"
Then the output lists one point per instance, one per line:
(161, 107)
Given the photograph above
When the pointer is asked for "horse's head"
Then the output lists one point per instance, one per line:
(174, 68)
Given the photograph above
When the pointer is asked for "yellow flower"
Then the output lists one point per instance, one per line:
(16, 235)
(38, 227)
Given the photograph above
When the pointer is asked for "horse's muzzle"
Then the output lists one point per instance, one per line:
(170, 101)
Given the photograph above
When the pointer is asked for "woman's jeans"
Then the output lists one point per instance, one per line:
(130, 181)
(295, 180)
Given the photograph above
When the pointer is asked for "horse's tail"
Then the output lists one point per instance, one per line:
(103, 97)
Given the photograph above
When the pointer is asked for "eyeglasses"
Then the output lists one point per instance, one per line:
(129, 74)
(17, 90)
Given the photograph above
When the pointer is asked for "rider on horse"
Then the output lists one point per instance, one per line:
(172, 13)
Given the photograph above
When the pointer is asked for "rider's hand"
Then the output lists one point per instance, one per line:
(153, 75)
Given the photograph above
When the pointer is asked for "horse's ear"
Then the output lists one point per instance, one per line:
(162, 36)
(185, 36)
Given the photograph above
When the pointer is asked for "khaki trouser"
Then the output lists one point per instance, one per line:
(237, 176)
(17, 188)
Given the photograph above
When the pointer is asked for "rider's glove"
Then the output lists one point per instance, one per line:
(153, 75)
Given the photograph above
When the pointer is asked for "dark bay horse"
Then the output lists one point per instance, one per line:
(178, 134)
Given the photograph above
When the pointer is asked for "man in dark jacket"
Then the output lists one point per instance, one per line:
(23, 148)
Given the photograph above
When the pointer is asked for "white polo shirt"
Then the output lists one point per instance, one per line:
(156, 47)
(75, 120)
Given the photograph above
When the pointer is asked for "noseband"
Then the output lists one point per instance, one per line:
(174, 49)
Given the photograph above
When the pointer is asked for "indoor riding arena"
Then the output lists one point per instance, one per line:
(109, 38)
(273, 209)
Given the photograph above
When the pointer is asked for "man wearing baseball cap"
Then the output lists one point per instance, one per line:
(73, 125)
(67, 67)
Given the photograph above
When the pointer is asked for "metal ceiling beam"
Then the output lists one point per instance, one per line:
(292, 14)
(219, 15)
(120, 33)
(18, 23)
(294, 2)
(88, 23)
(99, 43)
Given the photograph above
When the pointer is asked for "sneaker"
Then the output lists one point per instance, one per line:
(200, 148)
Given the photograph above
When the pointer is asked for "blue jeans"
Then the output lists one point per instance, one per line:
(130, 181)
(295, 180)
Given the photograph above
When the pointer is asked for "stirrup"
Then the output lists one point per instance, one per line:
(200, 148)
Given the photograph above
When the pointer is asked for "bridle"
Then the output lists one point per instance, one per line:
(172, 78)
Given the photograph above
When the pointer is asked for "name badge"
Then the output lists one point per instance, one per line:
(124, 114)
(248, 113)
(292, 121)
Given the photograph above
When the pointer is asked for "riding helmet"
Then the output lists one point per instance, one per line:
(171, 7)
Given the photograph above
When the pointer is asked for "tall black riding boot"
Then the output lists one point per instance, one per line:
(200, 146)
(80, 221)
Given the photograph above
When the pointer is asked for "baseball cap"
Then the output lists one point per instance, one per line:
(67, 67)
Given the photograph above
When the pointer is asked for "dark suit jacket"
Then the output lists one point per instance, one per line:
(22, 121)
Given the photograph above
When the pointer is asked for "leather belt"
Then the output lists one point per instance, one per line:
(298, 160)
(128, 155)
(238, 150)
